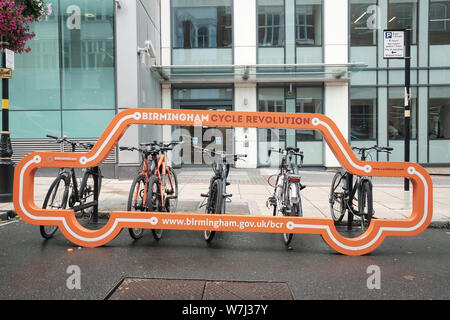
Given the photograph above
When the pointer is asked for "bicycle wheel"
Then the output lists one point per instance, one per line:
(171, 182)
(295, 210)
(56, 198)
(365, 205)
(137, 202)
(154, 202)
(214, 206)
(336, 198)
(87, 189)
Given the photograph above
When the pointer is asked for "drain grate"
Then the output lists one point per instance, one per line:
(170, 289)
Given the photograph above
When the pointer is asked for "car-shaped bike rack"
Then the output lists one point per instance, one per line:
(420, 218)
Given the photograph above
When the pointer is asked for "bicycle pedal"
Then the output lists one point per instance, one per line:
(302, 187)
(228, 183)
(227, 195)
(271, 202)
(204, 195)
(171, 197)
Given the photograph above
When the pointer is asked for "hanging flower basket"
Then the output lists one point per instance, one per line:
(15, 19)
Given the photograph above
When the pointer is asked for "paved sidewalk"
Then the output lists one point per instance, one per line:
(251, 190)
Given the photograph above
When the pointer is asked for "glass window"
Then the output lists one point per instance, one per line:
(363, 113)
(88, 54)
(271, 30)
(364, 17)
(396, 114)
(439, 113)
(309, 100)
(271, 100)
(32, 124)
(308, 23)
(205, 24)
(37, 73)
(439, 26)
(203, 96)
(403, 14)
(94, 123)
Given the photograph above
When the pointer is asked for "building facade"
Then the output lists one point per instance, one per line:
(303, 56)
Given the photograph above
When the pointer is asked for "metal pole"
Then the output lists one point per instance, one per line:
(6, 164)
(407, 98)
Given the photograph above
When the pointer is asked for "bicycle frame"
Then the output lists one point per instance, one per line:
(145, 172)
(76, 192)
(160, 172)
(351, 190)
(286, 163)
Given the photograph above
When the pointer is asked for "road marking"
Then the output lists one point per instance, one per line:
(6, 223)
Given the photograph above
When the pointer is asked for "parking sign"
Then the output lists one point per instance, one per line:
(394, 44)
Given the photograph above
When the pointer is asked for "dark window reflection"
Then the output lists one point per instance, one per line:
(271, 26)
(363, 114)
(402, 15)
(396, 115)
(363, 23)
(205, 26)
(308, 25)
(439, 26)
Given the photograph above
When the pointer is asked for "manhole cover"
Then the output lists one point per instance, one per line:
(168, 289)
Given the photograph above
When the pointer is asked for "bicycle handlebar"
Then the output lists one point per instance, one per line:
(222, 154)
(376, 148)
(86, 145)
(292, 151)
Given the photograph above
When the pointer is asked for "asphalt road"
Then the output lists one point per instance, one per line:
(410, 268)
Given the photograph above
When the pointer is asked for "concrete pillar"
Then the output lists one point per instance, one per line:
(246, 139)
(245, 46)
(166, 49)
(127, 74)
(336, 52)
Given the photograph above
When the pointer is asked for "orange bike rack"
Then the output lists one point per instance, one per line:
(419, 220)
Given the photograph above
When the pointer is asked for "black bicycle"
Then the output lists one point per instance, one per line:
(66, 192)
(217, 195)
(344, 195)
(286, 200)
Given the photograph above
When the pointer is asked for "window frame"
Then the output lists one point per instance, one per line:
(174, 38)
(258, 27)
(446, 29)
(297, 45)
(376, 3)
(377, 99)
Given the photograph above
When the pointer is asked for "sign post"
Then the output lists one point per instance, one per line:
(397, 45)
(6, 164)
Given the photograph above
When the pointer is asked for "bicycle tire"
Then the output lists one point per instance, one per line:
(87, 186)
(136, 202)
(84, 181)
(154, 202)
(365, 205)
(337, 213)
(173, 203)
(287, 237)
(48, 232)
(216, 198)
